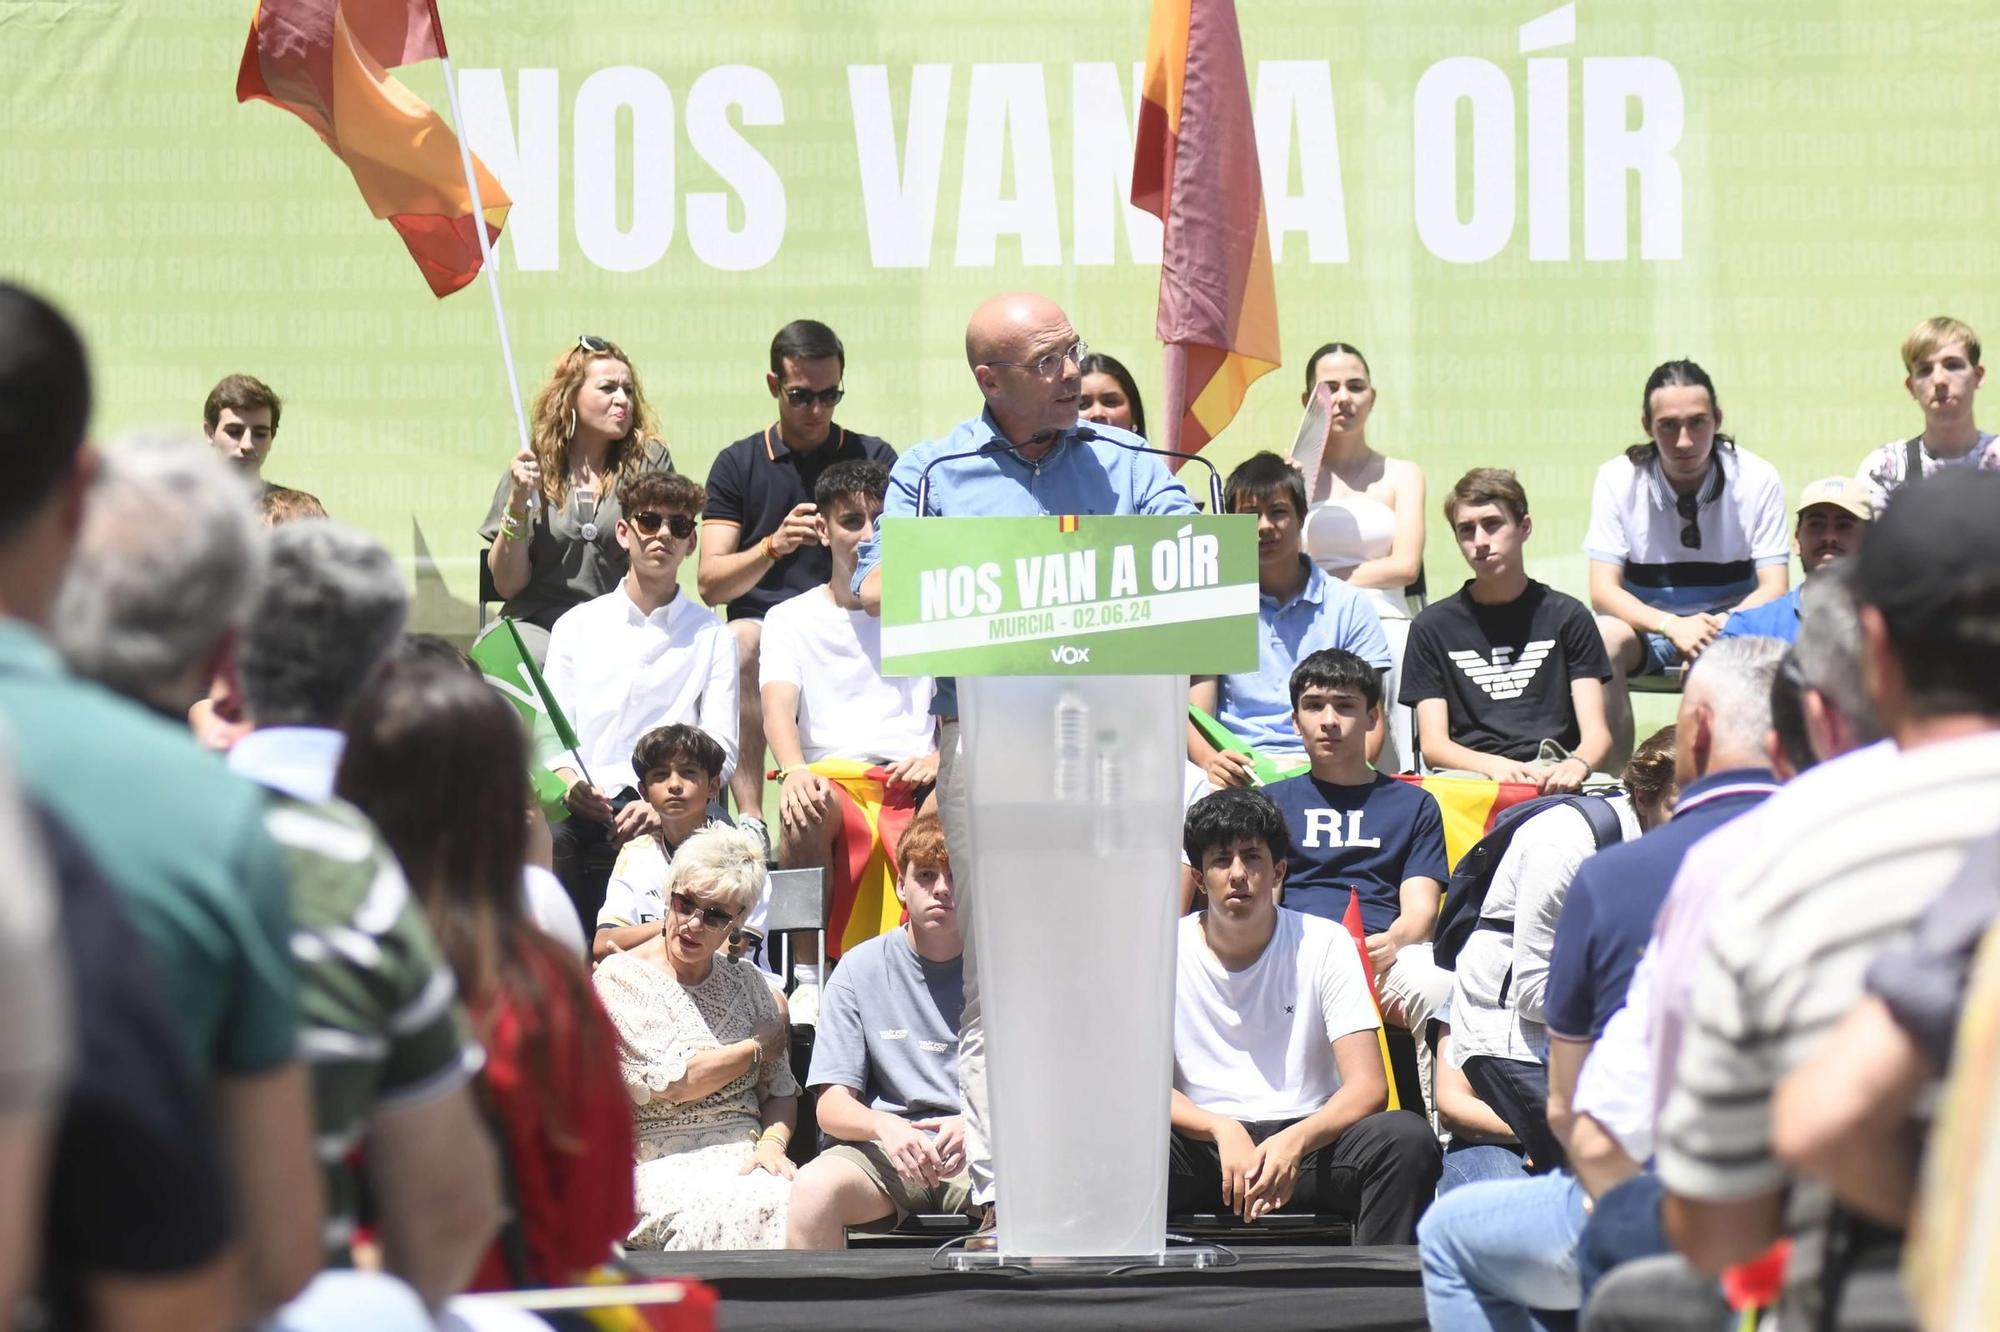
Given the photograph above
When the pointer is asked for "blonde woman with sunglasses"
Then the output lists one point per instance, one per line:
(551, 524)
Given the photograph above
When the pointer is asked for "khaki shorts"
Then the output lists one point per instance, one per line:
(950, 1195)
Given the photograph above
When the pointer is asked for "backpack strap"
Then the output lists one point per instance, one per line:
(1605, 828)
(1913, 459)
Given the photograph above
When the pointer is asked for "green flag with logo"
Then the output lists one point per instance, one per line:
(505, 661)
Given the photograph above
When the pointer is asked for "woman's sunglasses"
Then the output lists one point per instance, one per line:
(714, 918)
(679, 526)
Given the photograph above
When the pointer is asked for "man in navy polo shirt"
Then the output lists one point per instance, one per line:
(1492, 1251)
(1360, 833)
(762, 541)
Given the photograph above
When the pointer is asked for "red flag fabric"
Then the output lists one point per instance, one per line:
(327, 62)
(1195, 167)
(1352, 922)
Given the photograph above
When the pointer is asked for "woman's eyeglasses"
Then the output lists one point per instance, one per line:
(596, 346)
(805, 397)
(714, 918)
(679, 526)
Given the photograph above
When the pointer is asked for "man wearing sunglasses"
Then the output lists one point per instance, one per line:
(1024, 454)
(640, 656)
(762, 540)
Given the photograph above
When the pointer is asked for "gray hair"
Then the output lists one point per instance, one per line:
(332, 608)
(169, 561)
(724, 864)
(1829, 648)
(1734, 678)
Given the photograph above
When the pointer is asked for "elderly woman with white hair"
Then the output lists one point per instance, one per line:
(704, 1046)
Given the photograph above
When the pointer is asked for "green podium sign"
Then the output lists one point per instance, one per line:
(1173, 595)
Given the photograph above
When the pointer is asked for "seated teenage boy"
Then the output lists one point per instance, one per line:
(1278, 1084)
(1358, 832)
(885, 1065)
(825, 697)
(1299, 611)
(643, 655)
(1507, 676)
(680, 771)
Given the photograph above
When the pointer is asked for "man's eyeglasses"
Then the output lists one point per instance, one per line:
(596, 346)
(805, 397)
(714, 918)
(679, 526)
(1689, 508)
(1049, 366)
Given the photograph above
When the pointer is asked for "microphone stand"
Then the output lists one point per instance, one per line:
(1000, 445)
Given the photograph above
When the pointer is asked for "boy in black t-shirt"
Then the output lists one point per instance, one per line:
(1507, 676)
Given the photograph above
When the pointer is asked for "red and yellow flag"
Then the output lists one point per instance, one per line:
(327, 62)
(1195, 167)
(1470, 805)
(864, 873)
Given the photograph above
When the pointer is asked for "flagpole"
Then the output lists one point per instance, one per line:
(486, 257)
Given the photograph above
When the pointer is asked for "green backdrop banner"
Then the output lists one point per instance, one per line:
(1516, 210)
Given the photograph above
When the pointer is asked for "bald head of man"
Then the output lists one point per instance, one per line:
(1025, 356)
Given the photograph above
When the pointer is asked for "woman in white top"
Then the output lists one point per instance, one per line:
(1365, 517)
(704, 1045)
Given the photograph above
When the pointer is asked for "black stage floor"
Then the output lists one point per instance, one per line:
(1271, 1289)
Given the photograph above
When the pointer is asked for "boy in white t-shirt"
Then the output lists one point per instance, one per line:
(825, 695)
(1279, 1087)
(679, 769)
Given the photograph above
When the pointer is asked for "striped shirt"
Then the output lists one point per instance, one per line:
(1634, 523)
(1786, 958)
(382, 1025)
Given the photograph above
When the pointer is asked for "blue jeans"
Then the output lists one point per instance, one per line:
(1476, 1163)
(1496, 1253)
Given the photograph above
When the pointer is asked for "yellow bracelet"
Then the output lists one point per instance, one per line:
(777, 1133)
(770, 551)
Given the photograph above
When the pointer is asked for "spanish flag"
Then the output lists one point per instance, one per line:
(864, 873)
(327, 62)
(1470, 805)
(1195, 167)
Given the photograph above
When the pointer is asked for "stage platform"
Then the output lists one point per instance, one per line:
(1270, 1289)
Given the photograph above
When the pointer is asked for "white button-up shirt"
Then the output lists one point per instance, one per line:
(617, 672)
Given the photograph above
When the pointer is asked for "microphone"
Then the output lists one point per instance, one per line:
(993, 445)
(1045, 434)
(1214, 477)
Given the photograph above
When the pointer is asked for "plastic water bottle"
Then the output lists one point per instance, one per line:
(1072, 766)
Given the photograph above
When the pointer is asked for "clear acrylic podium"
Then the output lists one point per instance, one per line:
(1076, 788)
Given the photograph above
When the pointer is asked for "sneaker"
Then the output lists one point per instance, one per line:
(753, 825)
(805, 1005)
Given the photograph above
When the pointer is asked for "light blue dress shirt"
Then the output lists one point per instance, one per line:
(1327, 613)
(1078, 475)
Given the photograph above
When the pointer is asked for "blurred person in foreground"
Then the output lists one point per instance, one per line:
(184, 847)
(436, 758)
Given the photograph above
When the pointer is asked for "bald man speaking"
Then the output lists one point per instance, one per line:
(1025, 455)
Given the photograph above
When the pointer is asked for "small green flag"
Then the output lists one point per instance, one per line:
(1261, 767)
(505, 661)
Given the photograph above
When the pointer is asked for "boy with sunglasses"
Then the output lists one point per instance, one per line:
(680, 773)
(640, 656)
(763, 540)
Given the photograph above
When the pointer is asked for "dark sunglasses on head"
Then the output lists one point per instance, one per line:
(596, 346)
(805, 397)
(714, 918)
(679, 526)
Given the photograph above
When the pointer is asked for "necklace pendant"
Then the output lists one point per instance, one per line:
(589, 531)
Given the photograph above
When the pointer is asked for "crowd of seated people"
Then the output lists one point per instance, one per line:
(329, 993)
